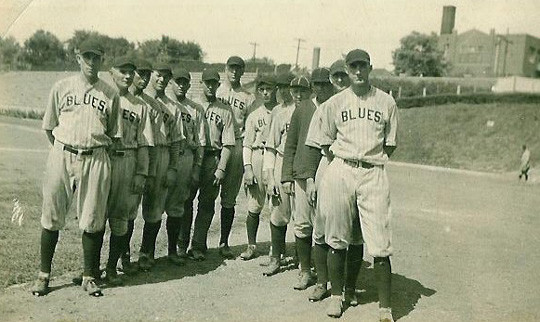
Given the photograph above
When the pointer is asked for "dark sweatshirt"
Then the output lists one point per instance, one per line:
(298, 157)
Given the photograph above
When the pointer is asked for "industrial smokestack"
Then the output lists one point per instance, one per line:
(448, 20)
(316, 57)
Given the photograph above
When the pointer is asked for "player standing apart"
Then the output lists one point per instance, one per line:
(254, 140)
(359, 127)
(233, 94)
(80, 122)
(218, 141)
(525, 163)
(129, 164)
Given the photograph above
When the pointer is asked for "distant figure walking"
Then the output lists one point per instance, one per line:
(525, 163)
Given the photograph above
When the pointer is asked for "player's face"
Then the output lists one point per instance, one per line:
(210, 87)
(181, 86)
(141, 79)
(122, 77)
(161, 79)
(234, 73)
(285, 94)
(300, 94)
(90, 64)
(359, 73)
(267, 92)
(323, 90)
(340, 81)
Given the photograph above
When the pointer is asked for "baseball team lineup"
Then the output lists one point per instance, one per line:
(310, 148)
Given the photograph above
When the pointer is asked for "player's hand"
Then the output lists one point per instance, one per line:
(195, 176)
(137, 186)
(265, 178)
(171, 178)
(288, 187)
(311, 192)
(219, 175)
(249, 177)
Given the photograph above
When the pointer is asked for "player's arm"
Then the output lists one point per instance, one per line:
(390, 131)
(247, 151)
(291, 145)
(50, 136)
(228, 142)
(50, 118)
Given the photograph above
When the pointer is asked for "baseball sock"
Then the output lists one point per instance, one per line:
(303, 249)
(252, 225)
(91, 245)
(336, 269)
(320, 253)
(227, 218)
(116, 246)
(97, 251)
(355, 253)
(383, 276)
(282, 238)
(173, 231)
(150, 232)
(276, 242)
(49, 239)
(131, 225)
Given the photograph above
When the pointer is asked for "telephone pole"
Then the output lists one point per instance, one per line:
(254, 44)
(298, 50)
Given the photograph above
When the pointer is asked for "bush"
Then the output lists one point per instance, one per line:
(479, 98)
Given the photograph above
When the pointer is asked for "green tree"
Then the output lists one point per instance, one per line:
(43, 50)
(170, 50)
(113, 47)
(10, 52)
(418, 56)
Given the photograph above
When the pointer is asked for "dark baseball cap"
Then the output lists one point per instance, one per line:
(124, 61)
(181, 73)
(300, 81)
(357, 55)
(91, 46)
(236, 60)
(210, 74)
(268, 79)
(338, 67)
(284, 79)
(320, 75)
(143, 65)
(163, 67)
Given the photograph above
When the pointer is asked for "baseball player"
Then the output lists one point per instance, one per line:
(168, 134)
(322, 88)
(525, 163)
(180, 196)
(358, 131)
(280, 203)
(129, 163)
(241, 101)
(338, 76)
(218, 141)
(80, 122)
(255, 138)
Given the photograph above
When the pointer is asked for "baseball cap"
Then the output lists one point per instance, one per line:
(236, 60)
(124, 61)
(284, 79)
(266, 79)
(91, 46)
(300, 81)
(338, 67)
(210, 74)
(357, 55)
(181, 73)
(163, 67)
(320, 75)
(143, 65)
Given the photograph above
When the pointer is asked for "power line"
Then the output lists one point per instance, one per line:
(298, 50)
(254, 44)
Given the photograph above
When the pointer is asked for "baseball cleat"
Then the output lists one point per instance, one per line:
(225, 251)
(176, 260)
(77, 280)
(144, 262)
(319, 293)
(273, 268)
(385, 314)
(182, 253)
(128, 267)
(305, 280)
(334, 308)
(112, 278)
(41, 285)
(350, 298)
(90, 286)
(197, 255)
(249, 253)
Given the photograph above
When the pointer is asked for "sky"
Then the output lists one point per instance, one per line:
(228, 27)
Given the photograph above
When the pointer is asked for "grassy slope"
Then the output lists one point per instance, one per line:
(457, 136)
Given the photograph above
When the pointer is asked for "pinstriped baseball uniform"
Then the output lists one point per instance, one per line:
(82, 117)
(281, 207)
(136, 132)
(355, 187)
(241, 103)
(256, 129)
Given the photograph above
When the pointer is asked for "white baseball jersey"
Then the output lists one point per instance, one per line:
(241, 102)
(218, 129)
(256, 125)
(163, 123)
(192, 115)
(279, 126)
(357, 128)
(135, 124)
(82, 115)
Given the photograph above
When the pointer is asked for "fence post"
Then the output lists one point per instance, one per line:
(424, 92)
(459, 89)
(399, 92)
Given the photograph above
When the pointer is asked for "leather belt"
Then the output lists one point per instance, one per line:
(78, 151)
(358, 164)
(118, 153)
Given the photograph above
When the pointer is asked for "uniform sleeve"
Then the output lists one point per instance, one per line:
(390, 129)
(251, 104)
(249, 135)
(145, 136)
(203, 130)
(114, 125)
(290, 147)
(52, 111)
(228, 133)
(328, 130)
(314, 127)
(179, 126)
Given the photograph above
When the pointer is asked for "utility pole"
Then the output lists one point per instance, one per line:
(254, 44)
(298, 50)
(506, 41)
